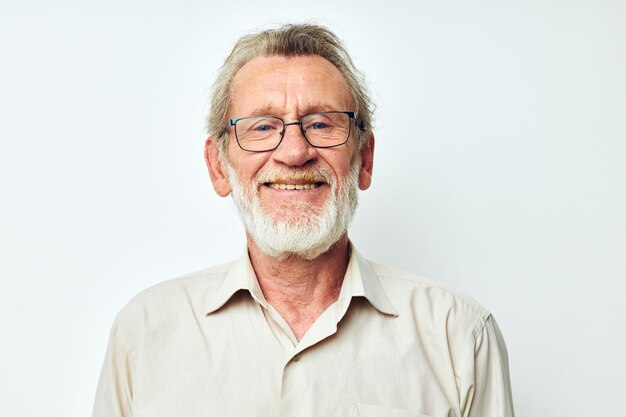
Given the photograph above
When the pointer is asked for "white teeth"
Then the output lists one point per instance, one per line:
(279, 186)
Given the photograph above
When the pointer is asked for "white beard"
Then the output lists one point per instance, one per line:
(301, 230)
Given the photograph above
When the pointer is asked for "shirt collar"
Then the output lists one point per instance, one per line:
(360, 281)
(240, 276)
(365, 283)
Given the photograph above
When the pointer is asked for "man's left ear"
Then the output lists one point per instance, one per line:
(367, 163)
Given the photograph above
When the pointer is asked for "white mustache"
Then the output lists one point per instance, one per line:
(311, 173)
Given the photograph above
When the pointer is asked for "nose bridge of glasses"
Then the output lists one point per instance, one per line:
(301, 129)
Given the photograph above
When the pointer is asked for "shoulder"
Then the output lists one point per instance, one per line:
(435, 309)
(169, 300)
(408, 287)
(449, 320)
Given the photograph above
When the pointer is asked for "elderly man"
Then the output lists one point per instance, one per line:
(301, 325)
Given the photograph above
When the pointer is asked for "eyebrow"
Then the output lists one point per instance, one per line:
(304, 111)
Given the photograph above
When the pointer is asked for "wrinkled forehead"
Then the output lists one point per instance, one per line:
(305, 83)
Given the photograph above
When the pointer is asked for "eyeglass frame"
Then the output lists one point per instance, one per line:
(351, 116)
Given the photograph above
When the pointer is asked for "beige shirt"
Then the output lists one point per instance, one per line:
(392, 345)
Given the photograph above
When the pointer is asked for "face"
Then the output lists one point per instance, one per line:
(296, 192)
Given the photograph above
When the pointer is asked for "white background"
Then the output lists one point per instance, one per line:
(499, 171)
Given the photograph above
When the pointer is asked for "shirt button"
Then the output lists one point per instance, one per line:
(296, 358)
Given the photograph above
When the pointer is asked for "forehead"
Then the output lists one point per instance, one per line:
(289, 85)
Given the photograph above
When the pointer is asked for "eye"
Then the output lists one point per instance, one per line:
(317, 122)
(260, 124)
(318, 125)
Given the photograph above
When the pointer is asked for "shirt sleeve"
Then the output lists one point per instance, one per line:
(485, 385)
(114, 392)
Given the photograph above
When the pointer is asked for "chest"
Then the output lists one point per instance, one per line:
(242, 366)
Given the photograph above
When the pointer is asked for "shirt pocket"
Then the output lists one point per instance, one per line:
(364, 410)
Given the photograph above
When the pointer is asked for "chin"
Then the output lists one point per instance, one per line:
(304, 236)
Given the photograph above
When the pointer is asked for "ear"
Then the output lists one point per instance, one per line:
(218, 174)
(367, 163)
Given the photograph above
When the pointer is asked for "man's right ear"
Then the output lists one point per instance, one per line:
(217, 171)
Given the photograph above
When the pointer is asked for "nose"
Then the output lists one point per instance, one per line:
(294, 150)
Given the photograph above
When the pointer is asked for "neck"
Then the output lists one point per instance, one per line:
(300, 290)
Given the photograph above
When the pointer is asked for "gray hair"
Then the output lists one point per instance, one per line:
(289, 41)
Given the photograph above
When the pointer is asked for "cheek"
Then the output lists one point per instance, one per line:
(247, 165)
(341, 167)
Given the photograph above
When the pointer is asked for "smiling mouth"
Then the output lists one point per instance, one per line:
(284, 186)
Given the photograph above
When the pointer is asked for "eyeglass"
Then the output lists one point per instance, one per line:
(265, 133)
